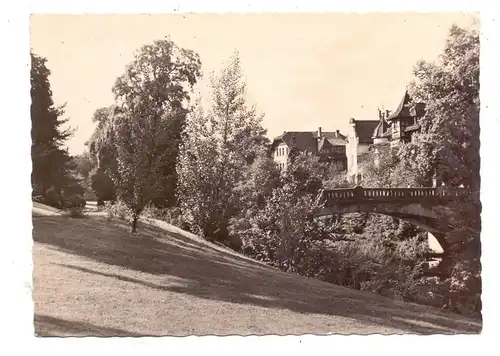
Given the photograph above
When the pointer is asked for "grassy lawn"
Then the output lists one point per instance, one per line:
(91, 277)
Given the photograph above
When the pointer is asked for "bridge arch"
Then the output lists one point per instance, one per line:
(422, 207)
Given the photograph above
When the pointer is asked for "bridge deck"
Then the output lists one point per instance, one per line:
(360, 194)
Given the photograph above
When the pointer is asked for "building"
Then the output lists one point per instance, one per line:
(400, 125)
(329, 146)
(359, 141)
(390, 128)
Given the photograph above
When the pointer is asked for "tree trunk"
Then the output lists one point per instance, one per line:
(134, 224)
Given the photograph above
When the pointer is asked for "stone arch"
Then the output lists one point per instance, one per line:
(422, 207)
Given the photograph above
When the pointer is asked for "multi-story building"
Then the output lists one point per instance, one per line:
(329, 146)
(359, 141)
(400, 125)
(390, 128)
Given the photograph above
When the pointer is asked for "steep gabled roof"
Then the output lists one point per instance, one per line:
(382, 128)
(402, 109)
(324, 143)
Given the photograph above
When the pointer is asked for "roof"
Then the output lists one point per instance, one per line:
(308, 140)
(402, 109)
(388, 133)
(326, 142)
(335, 138)
(412, 127)
(364, 130)
(302, 140)
(382, 128)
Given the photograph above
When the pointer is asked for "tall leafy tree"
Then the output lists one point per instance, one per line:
(448, 148)
(49, 156)
(157, 86)
(83, 167)
(450, 89)
(102, 151)
(136, 140)
(139, 159)
(217, 145)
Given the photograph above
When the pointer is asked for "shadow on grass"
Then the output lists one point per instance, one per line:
(212, 274)
(47, 326)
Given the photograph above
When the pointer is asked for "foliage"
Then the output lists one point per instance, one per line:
(83, 168)
(156, 86)
(139, 159)
(277, 224)
(136, 140)
(52, 175)
(102, 153)
(447, 149)
(102, 186)
(218, 144)
(117, 210)
(84, 164)
(76, 212)
(450, 89)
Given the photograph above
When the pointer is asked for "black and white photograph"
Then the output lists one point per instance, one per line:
(256, 174)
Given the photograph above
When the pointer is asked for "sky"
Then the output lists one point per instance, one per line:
(303, 71)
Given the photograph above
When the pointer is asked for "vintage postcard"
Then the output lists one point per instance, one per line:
(256, 174)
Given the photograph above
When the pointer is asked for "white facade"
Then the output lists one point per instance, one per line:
(280, 155)
(353, 150)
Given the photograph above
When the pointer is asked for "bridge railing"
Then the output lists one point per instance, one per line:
(390, 194)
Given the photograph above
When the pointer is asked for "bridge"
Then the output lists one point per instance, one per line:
(423, 207)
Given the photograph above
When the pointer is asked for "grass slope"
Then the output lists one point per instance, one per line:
(91, 277)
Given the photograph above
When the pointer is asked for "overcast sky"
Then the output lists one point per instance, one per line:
(303, 71)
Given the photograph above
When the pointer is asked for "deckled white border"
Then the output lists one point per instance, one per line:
(16, 326)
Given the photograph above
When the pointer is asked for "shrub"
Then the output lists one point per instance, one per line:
(171, 215)
(75, 212)
(117, 210)
(74, 201)
(53, 197)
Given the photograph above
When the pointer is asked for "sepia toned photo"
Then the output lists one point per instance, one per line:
(256, 174)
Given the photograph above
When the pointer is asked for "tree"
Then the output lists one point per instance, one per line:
(450, 89)
(276, 222)
(216, 147)
(447, 148)
(136, 140)
(102, 186)
(50, 158)
(139, 154)
(102, 152)
(83, 164)
(83, 167)
(158, 84)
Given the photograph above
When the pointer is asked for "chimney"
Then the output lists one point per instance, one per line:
(319, 132)
(337, 132)
(387, 113)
